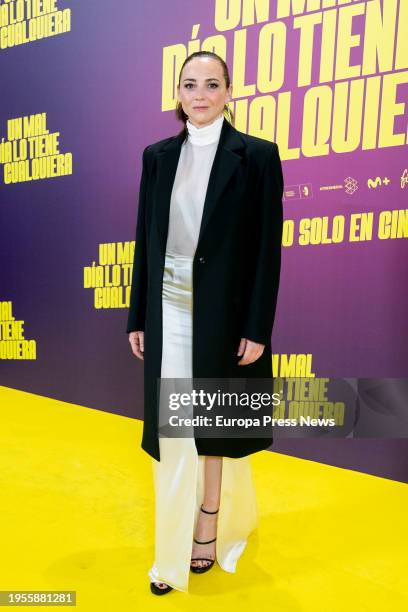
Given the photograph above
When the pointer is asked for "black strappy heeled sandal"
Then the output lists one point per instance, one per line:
(204, 568)
(157, 590)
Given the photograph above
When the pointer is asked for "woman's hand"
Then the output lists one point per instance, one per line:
(250, 350)
(136, 339)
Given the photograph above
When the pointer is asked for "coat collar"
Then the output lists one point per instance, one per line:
(227, 158)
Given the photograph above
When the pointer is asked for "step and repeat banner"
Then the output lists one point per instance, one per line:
(85, 86)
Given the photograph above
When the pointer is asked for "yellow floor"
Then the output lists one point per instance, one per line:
(77, 514)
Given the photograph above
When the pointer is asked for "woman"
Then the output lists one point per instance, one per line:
(209, 227)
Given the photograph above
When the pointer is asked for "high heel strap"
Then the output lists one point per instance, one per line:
(208, 511)
(209, 541)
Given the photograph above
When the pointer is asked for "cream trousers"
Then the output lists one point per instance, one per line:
(179, 476)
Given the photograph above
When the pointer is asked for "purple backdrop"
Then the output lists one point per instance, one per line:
(100, 85)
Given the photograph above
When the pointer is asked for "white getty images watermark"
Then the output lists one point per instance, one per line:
(208, 400)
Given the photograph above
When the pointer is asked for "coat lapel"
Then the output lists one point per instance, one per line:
(227, 158)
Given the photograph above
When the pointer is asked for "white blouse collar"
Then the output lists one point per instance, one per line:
(207, 134)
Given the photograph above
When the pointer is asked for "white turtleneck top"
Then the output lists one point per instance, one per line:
(190, 186)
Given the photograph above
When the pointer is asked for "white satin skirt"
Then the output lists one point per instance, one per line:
(179, 476)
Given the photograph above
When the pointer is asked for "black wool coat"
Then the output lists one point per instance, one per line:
(236, 269)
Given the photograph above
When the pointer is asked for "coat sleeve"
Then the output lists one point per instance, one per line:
(269, 213)
(138, 292)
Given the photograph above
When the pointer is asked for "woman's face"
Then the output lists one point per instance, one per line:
(202, 90)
